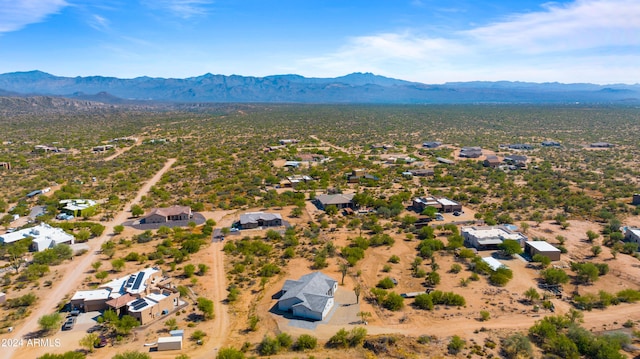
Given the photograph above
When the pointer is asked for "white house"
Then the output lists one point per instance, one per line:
(310, 297)
(43, 236)
(489, 237)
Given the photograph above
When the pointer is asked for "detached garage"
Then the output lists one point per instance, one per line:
(543, 248)
(169, 343)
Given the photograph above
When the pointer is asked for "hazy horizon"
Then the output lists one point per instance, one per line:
(581, 41)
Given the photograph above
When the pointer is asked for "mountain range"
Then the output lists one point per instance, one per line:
(352, 88)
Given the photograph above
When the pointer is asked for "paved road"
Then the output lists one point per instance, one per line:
(78, 270)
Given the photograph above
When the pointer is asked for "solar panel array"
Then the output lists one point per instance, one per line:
(138, 282)
(130, 280)
(138, 304)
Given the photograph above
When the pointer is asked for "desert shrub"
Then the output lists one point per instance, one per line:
(501, 276)
(386, 283)
(447, 298)
(269, 346)
(455, 268)
(423, 301)
(306, 342)
(269, 270)
(393, 301)
(284, 339)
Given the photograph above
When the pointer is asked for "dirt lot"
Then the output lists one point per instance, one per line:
(507, 308)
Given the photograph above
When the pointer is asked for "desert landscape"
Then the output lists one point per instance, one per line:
(409, 281)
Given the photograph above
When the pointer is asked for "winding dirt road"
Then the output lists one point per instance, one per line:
(78, 269)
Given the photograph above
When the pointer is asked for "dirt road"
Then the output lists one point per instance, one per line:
(78, 269)
(122, 150)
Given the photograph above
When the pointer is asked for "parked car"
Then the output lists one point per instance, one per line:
(68, 324)
(101, 342)
(456, 213)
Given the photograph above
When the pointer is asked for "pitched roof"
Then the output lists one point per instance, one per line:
(310, 289)
(340, 198)
(255, 217)
(120, 301)
(171, 211)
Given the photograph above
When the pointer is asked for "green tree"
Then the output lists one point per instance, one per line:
(592, 236)
(585, 272)
(596, 250)
(50, 322)
(344, 269)
(331, 210)
(16, 252)
(171, 324)
(96, 265)
(510, 247)
(83, 235)
(532, 294)
(357, 290)
(393, 301)
(554, 276)
(118, 264)
(189, 270)
(102, 275)
(125, 324)
(386, 283)
(423, 301)
(118, 229)
(206, 307)
(89, 341)
(136, 210)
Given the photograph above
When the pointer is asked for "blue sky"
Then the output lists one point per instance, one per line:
(430, 41)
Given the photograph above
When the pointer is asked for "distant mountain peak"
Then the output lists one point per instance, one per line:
(357, 87)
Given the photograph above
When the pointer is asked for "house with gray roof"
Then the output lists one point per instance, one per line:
(340, 200)
(309, 297)
(260, 219)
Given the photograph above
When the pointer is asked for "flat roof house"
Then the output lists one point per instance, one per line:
(489, 237)
(260, 219)
(139, 294)
(340, 200)
(43, 236)
(76, 207)
(442, 204)
(311, 296)
(543, 248)
(169, 214)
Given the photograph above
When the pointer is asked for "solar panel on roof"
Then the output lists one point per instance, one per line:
(140, 305)
(130, 280)
(139, 279)
(137, 302)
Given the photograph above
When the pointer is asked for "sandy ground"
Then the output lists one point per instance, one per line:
(508, 310)
(507, 306)
(70, 276)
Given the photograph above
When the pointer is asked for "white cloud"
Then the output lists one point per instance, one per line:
(583, 41)
(99, 23)
(584, 24)
(182, 8)
(16, 14)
